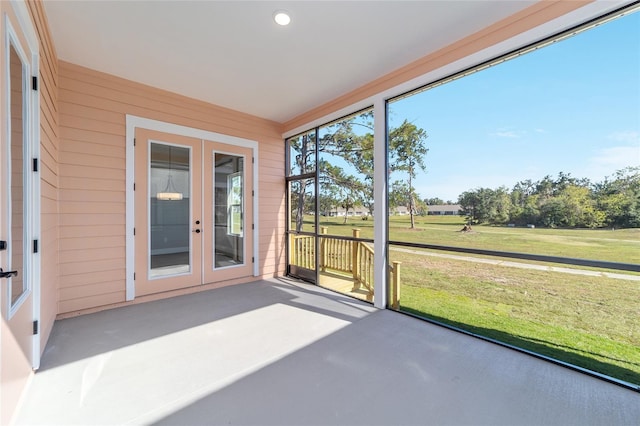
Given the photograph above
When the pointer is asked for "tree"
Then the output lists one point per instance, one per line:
(401, 194)
(618, 197)
(434, 201)
(498, 206)
(302, 160)
(561, 202)
(341, 140)
(347, 191)
(407, 151)
(470, 206)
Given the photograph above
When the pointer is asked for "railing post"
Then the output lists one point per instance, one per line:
(355, 261)
(395, 285)
(292, 250)
(323, 249)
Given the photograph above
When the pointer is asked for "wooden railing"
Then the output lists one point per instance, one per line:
(355, 258)
(335, 254)
(302, 251)
(363, 272)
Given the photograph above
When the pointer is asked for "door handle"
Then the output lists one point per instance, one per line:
(197, 231)
(8, 274)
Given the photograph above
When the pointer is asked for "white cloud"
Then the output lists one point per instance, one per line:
(617, 157)
(506, 133)
(630, 137)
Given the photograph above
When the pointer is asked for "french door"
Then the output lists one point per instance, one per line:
(19, 208)
(193, 212)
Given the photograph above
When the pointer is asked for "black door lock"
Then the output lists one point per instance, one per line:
(3, 245)
(8, 274)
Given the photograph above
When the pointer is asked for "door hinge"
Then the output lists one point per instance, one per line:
(134, 186)
(34, 83)
(134, 141)
(253, 160)
(35, 327)
(253, 193)
(35, 246)
(253, 259)
(134, 231)
(253, 226)
(34, 166)
(134, 276)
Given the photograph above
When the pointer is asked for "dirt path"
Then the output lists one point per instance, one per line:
(521, 265)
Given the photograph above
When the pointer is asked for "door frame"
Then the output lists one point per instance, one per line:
(24, 27)
(132, 123)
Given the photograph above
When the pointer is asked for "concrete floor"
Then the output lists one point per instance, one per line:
(280, 352)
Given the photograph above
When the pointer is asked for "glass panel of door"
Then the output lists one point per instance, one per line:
(18, 285)
(229, 194)
(169, 215)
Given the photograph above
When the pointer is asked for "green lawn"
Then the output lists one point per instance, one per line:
(591, 322)
(621, 245)
(588, 321)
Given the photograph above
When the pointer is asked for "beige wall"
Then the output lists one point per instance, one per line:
(92, 109)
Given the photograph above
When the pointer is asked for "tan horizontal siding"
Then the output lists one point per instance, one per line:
(92, 110)
(95, 277)
(80, 207)
(89, 289)
(101, 230)
(69, 244)
(92, 196)
(91, 184)
(95, 265)
(77, 303)
(103, 299)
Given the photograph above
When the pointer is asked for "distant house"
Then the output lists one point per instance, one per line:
(445, 210)
(356, 211)
(399, 211)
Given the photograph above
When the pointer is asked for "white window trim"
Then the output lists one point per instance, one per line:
(132, 123)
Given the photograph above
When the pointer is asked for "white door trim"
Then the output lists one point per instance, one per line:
(33, 227)
(133, 122)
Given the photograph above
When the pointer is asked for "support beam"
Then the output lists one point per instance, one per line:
(381, 210)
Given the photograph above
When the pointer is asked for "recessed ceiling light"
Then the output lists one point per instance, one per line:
(281, 17)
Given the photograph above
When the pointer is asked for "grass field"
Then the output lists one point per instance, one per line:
(591, 322)
(621, 245)
(588, 321)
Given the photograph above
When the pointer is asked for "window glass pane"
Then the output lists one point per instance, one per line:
(169, 210)
(18, 196)
(537, 155)
(229, 210)
(302, 205)
(346, 175)
(302, 154)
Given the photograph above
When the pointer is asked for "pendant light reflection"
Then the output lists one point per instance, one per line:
(170, 193)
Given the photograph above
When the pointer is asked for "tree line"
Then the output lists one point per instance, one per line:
(562, 202)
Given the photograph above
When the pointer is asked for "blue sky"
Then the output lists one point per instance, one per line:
(573, 107)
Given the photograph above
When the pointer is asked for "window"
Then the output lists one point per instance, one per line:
(330, 202)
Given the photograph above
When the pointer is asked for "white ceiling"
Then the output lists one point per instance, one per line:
(232, 54)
